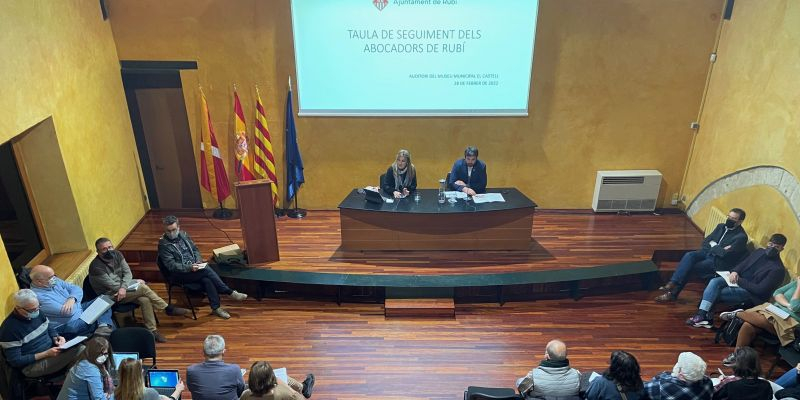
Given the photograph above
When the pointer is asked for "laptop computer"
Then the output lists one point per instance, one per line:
(373, 197)
(118, 357)
(163, 380)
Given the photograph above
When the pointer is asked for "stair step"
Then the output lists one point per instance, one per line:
(420, 308)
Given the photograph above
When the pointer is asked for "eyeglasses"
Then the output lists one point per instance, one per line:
(775, 245)
(29, 311)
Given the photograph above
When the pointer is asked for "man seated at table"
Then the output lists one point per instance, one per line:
(61, 303)
(178, 254)
(468, 174)
(30, 342)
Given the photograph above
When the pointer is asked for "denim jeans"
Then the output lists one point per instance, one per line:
(698, 261)
(789, 379)
(78, 327)
(718, 290)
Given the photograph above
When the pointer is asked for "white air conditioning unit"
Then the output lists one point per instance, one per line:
(633, 190)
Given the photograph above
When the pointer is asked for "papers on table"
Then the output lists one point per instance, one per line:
(777, 311)
(727, 276)
(97, 308)
(488, 198)
(73, 342)
(452, 194)
(281, 374)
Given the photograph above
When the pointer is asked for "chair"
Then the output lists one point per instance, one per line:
(134, 340)
(188, 288)
(488, 393)
(15, 383)
(122, 308)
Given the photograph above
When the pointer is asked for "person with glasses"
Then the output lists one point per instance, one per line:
(131, 384)
(720, 251)
(30, 343)
(90, 378)
(756, 277)
(62, 303)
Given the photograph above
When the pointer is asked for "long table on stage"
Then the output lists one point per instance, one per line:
(428, 225)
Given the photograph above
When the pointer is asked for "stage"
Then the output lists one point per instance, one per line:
(571, 251)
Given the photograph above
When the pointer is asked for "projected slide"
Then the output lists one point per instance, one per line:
(414, 57)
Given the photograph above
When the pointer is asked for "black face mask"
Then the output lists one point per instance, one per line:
(730, 224)
(772, 252)
(108, 255)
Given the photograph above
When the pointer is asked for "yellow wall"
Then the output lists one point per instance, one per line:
(59, 61)
(615, 85)
(751, 113)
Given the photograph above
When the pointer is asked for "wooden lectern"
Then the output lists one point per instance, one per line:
(258, 220)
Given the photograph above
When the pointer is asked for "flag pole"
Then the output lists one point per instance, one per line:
(295, 212)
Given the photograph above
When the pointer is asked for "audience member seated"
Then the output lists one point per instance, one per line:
(262, 384)
(180, 256)
(553, 377)
(110, 274)
(214, 379)
(621, 377)
(401, 177)
(468, 174)
(90, 377)
(720, 251)
(760, 319)
(61, 304)
(30, 343)
(745, 384)
(131, 383)
(686, 382)
(758, 276)
(790, 381)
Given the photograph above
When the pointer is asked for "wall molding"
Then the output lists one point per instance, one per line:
(767, 175)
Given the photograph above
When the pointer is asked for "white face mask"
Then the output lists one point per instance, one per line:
(102, 358)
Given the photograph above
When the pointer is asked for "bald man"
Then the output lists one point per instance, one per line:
(553, 377)
(61, 303)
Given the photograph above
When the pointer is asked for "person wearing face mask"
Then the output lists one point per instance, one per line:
(61, 304)
(30, 343)
(761, 319)
(720, 251)
(757, 276)
(90, 378)
(401, 177)
(110, 274)
(178, 254)
(468, 174)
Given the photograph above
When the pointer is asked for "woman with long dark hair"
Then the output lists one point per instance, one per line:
(90, 377)
(622, 377)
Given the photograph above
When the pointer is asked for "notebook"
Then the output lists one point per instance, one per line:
(118, 357)
(163, 380)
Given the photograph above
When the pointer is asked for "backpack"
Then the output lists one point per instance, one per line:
(729, 331)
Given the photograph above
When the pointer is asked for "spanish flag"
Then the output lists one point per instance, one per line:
(264, 158)
(243, 164)
(212, 171)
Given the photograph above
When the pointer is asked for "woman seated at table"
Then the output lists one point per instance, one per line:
(401, 178)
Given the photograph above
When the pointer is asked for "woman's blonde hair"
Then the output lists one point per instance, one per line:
(411, 171)
(131, 383)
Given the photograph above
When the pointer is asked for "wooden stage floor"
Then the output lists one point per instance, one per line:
(561, 240)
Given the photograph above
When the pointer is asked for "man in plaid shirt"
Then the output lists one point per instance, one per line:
(686, 382)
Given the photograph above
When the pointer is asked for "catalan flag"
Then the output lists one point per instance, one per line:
(264, 165)
(243, 163)
(212, 171)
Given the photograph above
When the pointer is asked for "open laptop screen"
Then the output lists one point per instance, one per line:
(162, 378)
(118, 357)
